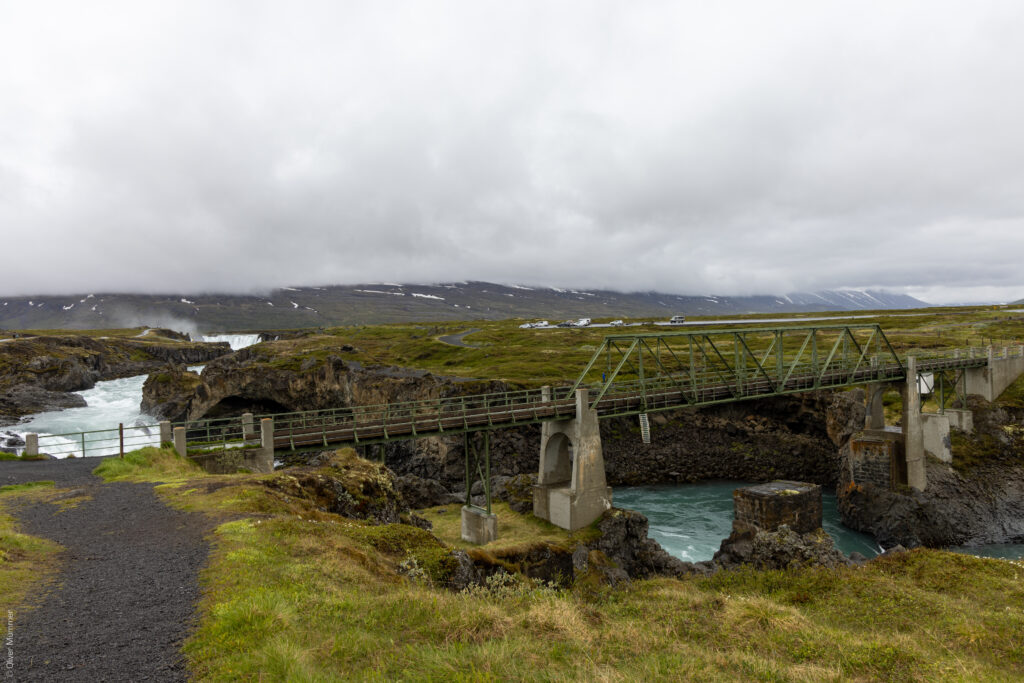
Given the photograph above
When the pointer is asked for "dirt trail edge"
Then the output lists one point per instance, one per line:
(125, 597)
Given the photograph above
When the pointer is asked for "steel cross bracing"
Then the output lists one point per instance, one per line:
(635, 374)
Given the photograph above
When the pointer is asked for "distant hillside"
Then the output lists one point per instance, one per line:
(381, 303)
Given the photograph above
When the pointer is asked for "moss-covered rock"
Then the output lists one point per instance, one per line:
(346, 485)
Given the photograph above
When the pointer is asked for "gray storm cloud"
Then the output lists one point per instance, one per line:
(728, 148)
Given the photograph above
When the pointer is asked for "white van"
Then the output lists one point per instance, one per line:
(677, 320)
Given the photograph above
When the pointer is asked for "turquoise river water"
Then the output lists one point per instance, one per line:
(690, 520)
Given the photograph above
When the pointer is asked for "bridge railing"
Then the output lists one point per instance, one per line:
(217, 433)
(377, 422)
(98, 442)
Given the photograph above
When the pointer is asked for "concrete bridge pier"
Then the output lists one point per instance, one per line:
(912, 424)
(571, 490)
(875, 418)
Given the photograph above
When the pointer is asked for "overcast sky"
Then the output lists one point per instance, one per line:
(688, 147)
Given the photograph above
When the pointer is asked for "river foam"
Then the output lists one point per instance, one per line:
(237, 341)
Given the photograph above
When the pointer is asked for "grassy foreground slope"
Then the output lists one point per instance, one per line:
(295, 593)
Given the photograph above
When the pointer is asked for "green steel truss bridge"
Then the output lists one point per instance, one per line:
(645, 373)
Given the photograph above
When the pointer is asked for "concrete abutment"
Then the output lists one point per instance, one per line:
(571, 490)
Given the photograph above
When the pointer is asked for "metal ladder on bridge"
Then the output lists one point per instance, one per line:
(645, 428)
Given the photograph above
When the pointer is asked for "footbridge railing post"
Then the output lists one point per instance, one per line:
(179, 441)
(265, 461)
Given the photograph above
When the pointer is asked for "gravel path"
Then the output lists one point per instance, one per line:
(125, 596)
(458, 339)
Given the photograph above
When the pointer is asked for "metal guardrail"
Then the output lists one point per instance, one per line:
(217, 434)
(99, 442)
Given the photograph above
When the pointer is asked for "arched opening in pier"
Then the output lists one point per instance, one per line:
(559, 458)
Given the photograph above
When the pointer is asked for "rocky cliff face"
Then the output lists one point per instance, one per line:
(253, 380)
(788, 437)
(36, 373)
(978, 499)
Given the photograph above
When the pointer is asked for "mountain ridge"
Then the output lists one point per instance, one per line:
(292, 307)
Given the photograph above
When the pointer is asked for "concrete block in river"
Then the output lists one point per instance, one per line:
(769, 506)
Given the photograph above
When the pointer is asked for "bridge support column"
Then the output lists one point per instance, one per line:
(913, 429)
(876, 410)
(265, 457)
(571, 490)
(478, 526)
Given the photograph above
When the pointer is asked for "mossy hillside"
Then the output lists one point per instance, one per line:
(124, 332)
(296, 593)
(502, 351)
(300, 600)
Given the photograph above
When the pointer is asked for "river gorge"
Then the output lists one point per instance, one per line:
(676, 482)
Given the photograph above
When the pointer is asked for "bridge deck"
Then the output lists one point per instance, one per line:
(377, 424)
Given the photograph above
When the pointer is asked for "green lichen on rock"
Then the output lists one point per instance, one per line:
(347, 485)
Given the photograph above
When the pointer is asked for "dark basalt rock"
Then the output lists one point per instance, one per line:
(421, 493)
(73, 363)
(11, 442)
(168, 394)
(28, 398)
(788, 437)
(624, 541)
(779, 549)
(465, 573)
(977, 500)
(349, 486)
(952, 510)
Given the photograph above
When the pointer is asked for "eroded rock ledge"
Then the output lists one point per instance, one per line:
(257, 380)
(37, 373)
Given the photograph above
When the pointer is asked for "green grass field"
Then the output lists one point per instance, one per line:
(295, 593)
(533, 357)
